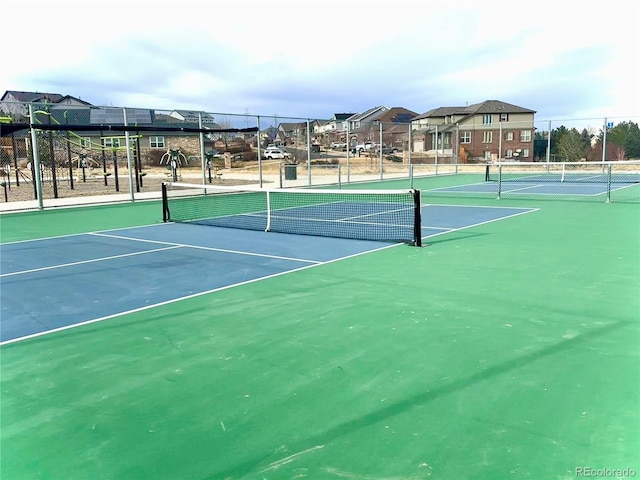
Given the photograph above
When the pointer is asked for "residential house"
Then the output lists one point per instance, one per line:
(388, 127)
(292, 133)
(483, 131)
(320, 130)
(332, 130)
(194, 117)
(14, 103)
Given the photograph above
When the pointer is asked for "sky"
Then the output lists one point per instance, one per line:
(564, 59)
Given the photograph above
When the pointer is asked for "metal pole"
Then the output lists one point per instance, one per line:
(435, 161)
(309, 151)
(127, 142)
(36, 159)
(457, 146)
(604, 140)
(260, 156)
(348, 152)
(380, 147)
(549, 143)
(609, 184)
(500, 143)
(68, 141)
(202, 154)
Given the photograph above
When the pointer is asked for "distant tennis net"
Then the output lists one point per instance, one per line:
(380, 215)
(567, 172)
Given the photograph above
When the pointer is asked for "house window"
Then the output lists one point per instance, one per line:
(487, 155)
(525, 135)
(525, 152)
(487, 137)
(465, 137)
(85, 142)
(487, 119)
(508, 153)
(504, 117)
(509, 136)
(108, 142)
(156, 142)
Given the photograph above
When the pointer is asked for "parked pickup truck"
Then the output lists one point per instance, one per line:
(373, 147)
(274, 153)
(389, 150)
(363, 147)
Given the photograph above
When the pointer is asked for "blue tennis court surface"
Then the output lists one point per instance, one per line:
(61, 282)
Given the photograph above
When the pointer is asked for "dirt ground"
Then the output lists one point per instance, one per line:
(94, 183)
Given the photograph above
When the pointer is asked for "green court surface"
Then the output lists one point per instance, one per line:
(509, 350)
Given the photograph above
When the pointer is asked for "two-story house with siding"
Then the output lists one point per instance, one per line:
(14, 103)
(292, 133)
(389, 127)
(332, 130)
(489, 130)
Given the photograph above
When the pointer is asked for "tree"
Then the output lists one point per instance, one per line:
(632, 142)
(586, 138)
(556, 136)
(571, 146)
(623, 141)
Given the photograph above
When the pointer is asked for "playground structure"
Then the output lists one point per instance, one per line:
(174, 158)
(66, 158)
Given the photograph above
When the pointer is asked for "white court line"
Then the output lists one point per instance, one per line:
(476, 206)
(81, 262)
(68, 235)
(481, 223)
(187, 297)
(447, 229)
(213, 249)
(510, 190)
(170, 246)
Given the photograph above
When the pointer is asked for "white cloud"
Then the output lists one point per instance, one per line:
(561, 57)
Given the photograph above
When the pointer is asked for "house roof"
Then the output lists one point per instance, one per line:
(395, 115)
(367, 113)
(192, 115)
(342, 116)
(35, 97)
(488, 106)
(496, 106)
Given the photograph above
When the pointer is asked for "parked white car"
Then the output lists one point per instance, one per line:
(275, 153)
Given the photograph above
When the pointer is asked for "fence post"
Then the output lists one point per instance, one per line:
(36, 159)
(127, 142)
(410, 175)
(608, 184)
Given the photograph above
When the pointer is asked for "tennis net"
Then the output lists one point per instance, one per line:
(380, 215)
(569, 172)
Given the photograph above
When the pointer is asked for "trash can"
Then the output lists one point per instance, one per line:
(290, 171)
